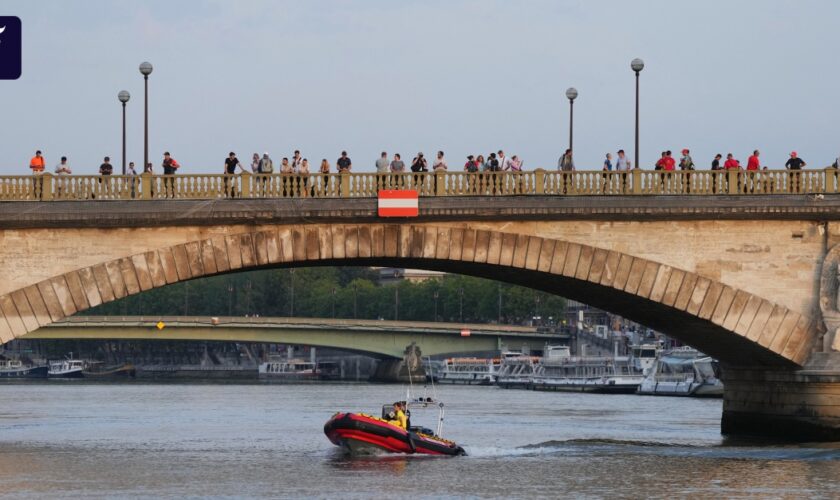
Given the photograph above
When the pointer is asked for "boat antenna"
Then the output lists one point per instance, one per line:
(432, 378)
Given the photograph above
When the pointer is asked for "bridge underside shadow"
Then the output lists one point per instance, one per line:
(712, 339)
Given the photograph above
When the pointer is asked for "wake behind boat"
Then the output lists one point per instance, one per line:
(360, 433)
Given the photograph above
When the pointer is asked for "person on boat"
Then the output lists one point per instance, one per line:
(400, 420)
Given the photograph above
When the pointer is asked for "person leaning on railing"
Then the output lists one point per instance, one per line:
(794, 165)
(265, 168)
(303, 178)
(231, 163)
(324, 170)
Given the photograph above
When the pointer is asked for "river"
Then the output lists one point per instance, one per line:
(193, 440)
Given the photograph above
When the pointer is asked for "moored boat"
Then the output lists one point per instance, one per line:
(560, 371)
(66, 368)
(14, 368)
(360, 433)
(98, 369)
(517, 370)
(469, 371)
(298, 370)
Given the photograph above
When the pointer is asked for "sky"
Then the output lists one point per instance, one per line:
(462, 76)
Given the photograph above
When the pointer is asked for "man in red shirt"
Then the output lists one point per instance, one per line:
(731, 163)
(669, 163)
(753, 166)
(752, 161)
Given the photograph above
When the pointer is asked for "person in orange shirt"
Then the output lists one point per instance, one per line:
(37, 163)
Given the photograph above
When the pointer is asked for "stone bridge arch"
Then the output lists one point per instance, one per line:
(737, 327)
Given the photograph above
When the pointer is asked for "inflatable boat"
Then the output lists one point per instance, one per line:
(360, 433)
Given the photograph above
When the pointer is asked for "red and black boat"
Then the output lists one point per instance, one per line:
(360, 433)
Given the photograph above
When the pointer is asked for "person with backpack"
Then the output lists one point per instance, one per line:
(170, 166)
(471, 166)
(686, 165)
(266, 168)
(566, 163)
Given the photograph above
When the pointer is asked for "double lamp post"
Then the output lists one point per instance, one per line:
(124, 96)
(637, 65)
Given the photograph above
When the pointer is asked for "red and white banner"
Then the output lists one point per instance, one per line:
(465, 333)
(398, 203)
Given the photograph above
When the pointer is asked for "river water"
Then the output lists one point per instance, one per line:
(193, 440)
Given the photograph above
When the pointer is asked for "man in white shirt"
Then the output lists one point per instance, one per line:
(504, 161)
(622, 163)
(63, 168)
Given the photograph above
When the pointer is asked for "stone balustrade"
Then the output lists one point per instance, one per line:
(49, 187)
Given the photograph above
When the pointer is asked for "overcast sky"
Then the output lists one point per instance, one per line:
(462, 76)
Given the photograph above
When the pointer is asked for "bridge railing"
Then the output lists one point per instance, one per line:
(366, 185)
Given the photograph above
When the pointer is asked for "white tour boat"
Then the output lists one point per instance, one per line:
(290, 369)
(560, 371)
(517, 370)
(469, 371)
(683, 372)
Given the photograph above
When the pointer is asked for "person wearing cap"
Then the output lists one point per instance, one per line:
(794, 164)
(686, 163)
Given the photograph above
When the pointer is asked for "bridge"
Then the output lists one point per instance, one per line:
(383, 339)
(741, 265)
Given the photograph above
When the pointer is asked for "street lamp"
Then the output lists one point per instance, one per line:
(123, 96)
(637, 65)
(571, 94)
(146, 70)
(333, 302)
(461, 303)
(436, 295)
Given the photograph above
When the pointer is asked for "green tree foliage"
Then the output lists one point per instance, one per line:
(342, 292)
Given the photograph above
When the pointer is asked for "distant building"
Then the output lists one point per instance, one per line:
(396, 274)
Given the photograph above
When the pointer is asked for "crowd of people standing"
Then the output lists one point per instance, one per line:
(493, 162)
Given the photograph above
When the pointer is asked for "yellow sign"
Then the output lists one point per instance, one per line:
(160, 325)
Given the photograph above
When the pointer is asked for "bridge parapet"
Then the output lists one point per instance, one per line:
(366, 185)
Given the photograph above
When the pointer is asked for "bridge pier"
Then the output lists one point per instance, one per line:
(799, 405)
(409, 368)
